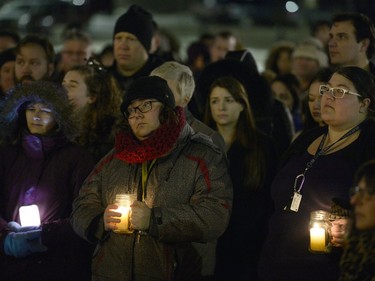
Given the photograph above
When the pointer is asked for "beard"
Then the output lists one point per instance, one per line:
(29, 79)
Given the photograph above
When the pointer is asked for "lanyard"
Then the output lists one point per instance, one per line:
(145, 174)
(300, 179)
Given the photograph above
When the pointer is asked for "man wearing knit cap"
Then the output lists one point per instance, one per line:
(132, 37)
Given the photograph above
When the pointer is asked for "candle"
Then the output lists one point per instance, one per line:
(123, 201)
(317, 239)
(124, 225)
(29, 215)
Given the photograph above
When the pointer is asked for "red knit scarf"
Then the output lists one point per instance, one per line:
(132, 151)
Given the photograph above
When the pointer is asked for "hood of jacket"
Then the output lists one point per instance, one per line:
(53, 95)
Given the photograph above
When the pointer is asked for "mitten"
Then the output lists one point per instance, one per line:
(21, 244)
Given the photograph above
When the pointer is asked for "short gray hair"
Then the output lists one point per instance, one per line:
(180, 74)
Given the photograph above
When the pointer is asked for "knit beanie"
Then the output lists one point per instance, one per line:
(7, 55)
(136, 21)
(149, 87)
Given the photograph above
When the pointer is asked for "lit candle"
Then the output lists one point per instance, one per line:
(29, 215)
(317, 239)
(123, 201)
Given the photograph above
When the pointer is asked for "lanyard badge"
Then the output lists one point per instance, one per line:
(296, 197)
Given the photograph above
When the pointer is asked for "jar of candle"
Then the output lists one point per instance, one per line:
(123, 201)
(319, 232)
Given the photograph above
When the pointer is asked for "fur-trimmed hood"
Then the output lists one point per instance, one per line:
(53, 95)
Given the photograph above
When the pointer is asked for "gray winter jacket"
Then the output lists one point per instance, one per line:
(190, 193)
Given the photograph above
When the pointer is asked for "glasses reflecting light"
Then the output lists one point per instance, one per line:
(337, 93)
(142, 108)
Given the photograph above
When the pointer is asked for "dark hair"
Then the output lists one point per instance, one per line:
(274, 55)
(12, 34)
(195, 50)
(364, 83)
(292, 83)
(318, 24)
(364, 28)
(366, 172)
(44, 43)
(246, 132)
(323, 75)
(99, 116)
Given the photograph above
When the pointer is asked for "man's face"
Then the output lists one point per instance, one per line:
(343, 46)
(74, 52)
(129, 53)
(31, 64)
(221, 47)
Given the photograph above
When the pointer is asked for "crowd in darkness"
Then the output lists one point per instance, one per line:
(225, 163)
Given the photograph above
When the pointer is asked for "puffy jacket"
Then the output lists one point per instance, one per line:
(190, 193)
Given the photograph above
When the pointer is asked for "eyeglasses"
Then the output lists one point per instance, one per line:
(142, 108)
(337, 93)
(363, 193)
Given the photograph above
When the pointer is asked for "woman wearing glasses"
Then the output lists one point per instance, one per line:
(317, 168)
(96, 97)
(358, 260)
(183, 189)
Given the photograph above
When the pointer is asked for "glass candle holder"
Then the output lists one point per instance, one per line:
(319, 232)
(123, 201)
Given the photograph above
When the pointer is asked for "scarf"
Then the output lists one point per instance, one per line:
(132, 151)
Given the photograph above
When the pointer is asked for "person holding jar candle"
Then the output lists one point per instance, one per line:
(317, 168)
(184, 194)
(41, 169)
(358, 259)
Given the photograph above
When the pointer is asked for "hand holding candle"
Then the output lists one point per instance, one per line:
(117, 215)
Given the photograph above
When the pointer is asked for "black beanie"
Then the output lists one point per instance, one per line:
(7, 55)
(149, 87)
(138, 22)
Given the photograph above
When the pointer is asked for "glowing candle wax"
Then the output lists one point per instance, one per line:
(317, 239)
(123, 201)
(29, 215)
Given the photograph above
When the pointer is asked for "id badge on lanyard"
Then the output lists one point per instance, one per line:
(296, 197)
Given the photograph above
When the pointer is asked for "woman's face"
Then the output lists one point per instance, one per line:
(225, 110)
(364, 207)
(144, 117)
(75, 84)
(283, 94)
(314, 99)
(284, 63)
(7, 76)
(40, 119)
(343, 112)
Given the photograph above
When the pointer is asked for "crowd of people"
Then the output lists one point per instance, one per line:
(226, 163)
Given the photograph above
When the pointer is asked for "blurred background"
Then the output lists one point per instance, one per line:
(257, 23)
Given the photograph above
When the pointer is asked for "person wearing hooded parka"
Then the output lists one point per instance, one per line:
(40, 166)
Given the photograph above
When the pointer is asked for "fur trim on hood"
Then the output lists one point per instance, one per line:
(53, 95)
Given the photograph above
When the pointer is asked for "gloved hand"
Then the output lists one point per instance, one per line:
(16, 227)
(23, 242)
